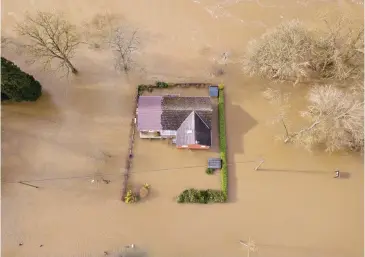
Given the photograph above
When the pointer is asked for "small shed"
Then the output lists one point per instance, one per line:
(214, 163)
(213, 91)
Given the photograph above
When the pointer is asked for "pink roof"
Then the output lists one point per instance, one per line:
(149, 113)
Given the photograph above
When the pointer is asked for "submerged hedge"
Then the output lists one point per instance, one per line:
(17, 85)
(193, 195)
(213, 196)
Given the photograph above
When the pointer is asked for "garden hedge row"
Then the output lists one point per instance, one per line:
(193, 195)
(160, 84)
(223, 143)
(17, 85)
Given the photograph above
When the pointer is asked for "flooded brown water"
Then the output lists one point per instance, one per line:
(292, 207)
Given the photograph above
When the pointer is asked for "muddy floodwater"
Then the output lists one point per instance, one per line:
(79, 128)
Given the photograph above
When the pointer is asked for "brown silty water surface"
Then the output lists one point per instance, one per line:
(79, 128)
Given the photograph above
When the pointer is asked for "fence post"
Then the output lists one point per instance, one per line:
(259, 165)
(26, 184)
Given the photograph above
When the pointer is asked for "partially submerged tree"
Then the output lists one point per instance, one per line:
(281, 53)
(124, 43)
(4, 41)
(99, 30)
(104, 31)
(281, 100)
(291, 51)
(17, 85)
(335, 120)
(338, 51)
(51, 37)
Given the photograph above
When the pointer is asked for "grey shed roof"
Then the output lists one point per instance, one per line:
(214, 163)
(193, 131)
(149, 113)
(213, 91)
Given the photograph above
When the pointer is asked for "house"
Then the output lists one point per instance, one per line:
(186, 120)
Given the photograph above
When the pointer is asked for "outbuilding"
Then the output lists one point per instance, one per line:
(213, 91)
(214, 163)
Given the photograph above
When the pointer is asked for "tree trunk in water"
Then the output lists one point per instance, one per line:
(286, 131)
(73, 69)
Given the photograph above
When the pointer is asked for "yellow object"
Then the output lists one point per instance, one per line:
(129, 198)
(146, 185)
(221, 86)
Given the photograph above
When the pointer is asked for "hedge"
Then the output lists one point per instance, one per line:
(193, 195)
(223, 142)
(17, 85)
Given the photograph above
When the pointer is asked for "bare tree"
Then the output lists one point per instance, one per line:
(335, 120)
(338, 51)
(281, 101)
(99, 30)
(124, 43)
(250, 246)
(4, 41)
(291, 51)
(51, 37)
(281, 53)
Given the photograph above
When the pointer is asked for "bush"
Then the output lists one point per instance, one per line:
(161, 84)
(17, 85)
(130, 197)
(144, 191)
(201, 196)
(209, 171)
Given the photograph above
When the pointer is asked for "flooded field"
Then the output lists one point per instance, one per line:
(79, 128)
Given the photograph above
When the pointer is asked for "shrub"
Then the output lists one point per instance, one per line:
(130, 197)
(17, 85)
(144, 190)
(220, 86)
(161, 84)
(209, 171)
(201, 196)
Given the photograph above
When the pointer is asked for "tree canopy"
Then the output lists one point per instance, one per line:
(17, 85)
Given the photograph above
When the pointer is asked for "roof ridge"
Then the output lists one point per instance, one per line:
(201, 119)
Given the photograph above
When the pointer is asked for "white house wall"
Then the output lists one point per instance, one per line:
(168, 133)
